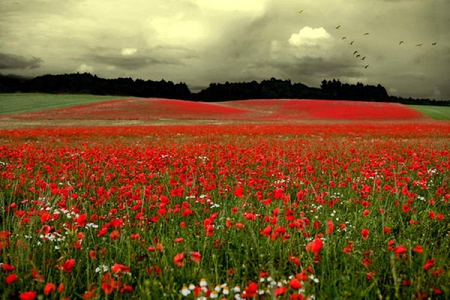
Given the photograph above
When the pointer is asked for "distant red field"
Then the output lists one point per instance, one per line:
(244, 110)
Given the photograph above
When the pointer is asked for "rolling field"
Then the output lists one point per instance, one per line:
(267, 199)
(17, 103)
(435, 112)
(156, 109)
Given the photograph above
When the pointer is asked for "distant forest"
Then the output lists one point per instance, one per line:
(267, 89)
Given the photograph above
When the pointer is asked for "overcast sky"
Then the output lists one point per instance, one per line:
(204, 41)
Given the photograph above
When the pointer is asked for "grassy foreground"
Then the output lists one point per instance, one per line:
(15, 103)
(229, 213)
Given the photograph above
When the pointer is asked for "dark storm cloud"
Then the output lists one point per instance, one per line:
(311, 70)
(129, 62)
(19, 62)
(203, 41)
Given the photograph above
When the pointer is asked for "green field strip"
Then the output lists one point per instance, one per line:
(435, 112)
(18, 103)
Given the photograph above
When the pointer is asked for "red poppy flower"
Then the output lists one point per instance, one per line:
(114, 235)
(418, 249)
(179, 259)
(196, 256)
(315, 246)
(365, 233)
(49, 287)
(429, 264)
(281, 290)
(27, 296)
(82, 220)
(295, 284)
(118, 268)
(251, 290)
(11, 278)
(239, 192)
(266, 231)
(330, 227)
(400, 250)
(68, 265)
(387, 230)
(7, 267)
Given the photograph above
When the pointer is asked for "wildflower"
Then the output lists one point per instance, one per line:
(280, 291)
(400, 250)
(365, 233)
(126, 289)
(179, 259)
(49, 287)
(349, 247)
(296, 296)
(330, 227)
(203, 282)
(7, 267)
(315, 246)
(118, 268)
(115, 234)
(89, 295)
(68, 265)
(266, 231)
(196, 256)
(11, 278)
(251, 290)
(239, 192)
(185, 291)
(429, 264)
(27, 296)
(81, 220)
(418, 249)
(295, 284)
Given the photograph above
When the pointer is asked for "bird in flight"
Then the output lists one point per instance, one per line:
(300, 11)
(339, 26)
(363, 58)
(355, 52)
(419, 45)
(366, 33)
(434, 43)
(366, 67)
(351, 43)
(401, 42)
(357, 55)
(344, 37)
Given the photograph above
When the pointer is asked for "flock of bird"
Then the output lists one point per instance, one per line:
(356, 54)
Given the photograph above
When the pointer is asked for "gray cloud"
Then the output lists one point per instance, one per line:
(18, 62)
(128, 62)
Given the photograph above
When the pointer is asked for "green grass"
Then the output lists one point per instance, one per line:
(27, 102)
(436, 112)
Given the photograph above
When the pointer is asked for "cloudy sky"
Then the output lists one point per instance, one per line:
(204, 41)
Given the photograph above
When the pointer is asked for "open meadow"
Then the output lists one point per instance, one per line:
(259, 199)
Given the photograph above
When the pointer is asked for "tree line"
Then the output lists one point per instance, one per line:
(266, 89)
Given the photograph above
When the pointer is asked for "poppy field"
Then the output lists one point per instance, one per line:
(240, 211)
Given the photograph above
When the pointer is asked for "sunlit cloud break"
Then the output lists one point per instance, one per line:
(128, 51)
(309, 36)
